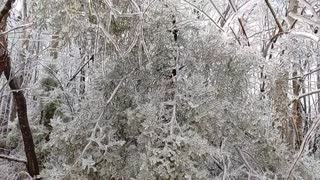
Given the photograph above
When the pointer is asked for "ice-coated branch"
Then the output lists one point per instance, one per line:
(274, 15)
(306, 140)
(10, 158)
(309, 93)
(303, 19)
(210, 18)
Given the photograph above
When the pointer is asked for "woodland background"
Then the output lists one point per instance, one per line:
(160, 89)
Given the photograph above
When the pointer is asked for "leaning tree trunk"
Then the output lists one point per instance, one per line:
(5, 66)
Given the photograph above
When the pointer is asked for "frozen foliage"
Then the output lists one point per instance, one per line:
(149, 90)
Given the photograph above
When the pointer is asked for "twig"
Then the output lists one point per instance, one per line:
(303, 19)
(80, 69)
(255, 161)
(60, 86)
(245, 160)
(101, 114)
(309, 6)
(15, 28)
(10, 158)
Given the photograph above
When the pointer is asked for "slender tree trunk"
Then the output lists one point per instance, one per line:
(297, 121)
(54, 45)
(32, 163)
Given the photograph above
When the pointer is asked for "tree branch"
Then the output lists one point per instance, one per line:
(274, 15)
(307, 74)
(79, 70)
(244, 31)
(303, 19)
(309, 93)
(9, 158)
(215, 7)
(15, 28)
(313, 130)
(212, 20)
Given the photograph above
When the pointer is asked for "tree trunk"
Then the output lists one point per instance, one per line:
(297, 121)
(54, 45)
(32, 163)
